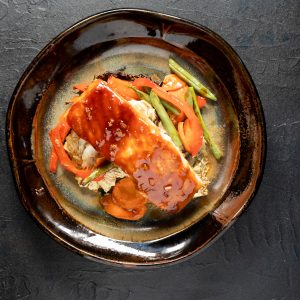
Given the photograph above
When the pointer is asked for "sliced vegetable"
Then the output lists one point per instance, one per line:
(187, 136)
(121, 213)
(142, 95)
(165, 119)
(122, 87)
(191, 80)
(182, 136)
(201, 101)
(172, 83)
(97, 173)
(181, 95)
(170, 107)
(127, 195)
(146, 97)
(81, 87)
(213, 146)
(63, 129)
(182, 105)
(189, 97)
(125, 202)
(57, 143)
(53, 161)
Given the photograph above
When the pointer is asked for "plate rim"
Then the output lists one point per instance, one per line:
(26, 74)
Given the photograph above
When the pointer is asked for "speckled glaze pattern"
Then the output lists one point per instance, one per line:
(242, 108)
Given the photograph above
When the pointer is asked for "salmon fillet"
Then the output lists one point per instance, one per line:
(121, 134)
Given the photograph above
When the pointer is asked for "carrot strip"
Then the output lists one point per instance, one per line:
(122, 87)
(173, 83)
(81, 87)
(125, 202)
(53, 161)
(201, 101)
(56, 135)
(183, 106)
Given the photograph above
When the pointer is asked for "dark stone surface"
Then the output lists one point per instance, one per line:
(259, 256)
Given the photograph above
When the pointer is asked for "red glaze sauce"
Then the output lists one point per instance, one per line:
(130, 140)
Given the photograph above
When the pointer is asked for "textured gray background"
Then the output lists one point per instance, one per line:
(258, 257)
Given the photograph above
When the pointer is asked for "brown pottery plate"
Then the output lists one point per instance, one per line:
(137, 42)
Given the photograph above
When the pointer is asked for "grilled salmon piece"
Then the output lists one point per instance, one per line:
(121, 134)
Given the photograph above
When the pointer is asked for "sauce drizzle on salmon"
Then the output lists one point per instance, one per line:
(124, 136)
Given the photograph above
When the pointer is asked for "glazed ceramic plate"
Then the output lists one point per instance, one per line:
(136, 42)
